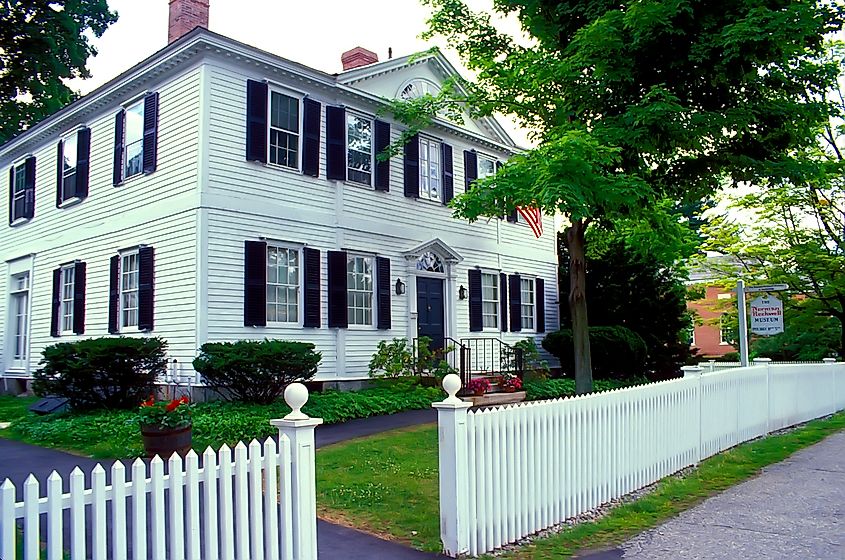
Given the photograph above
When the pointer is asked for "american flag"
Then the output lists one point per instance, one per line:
(534, 217)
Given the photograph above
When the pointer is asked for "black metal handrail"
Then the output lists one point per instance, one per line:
(493, 356)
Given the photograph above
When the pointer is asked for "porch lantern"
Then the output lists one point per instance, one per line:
(400, 287)
(462, 292)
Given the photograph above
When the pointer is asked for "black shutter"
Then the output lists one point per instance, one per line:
(83, 157)
(114, 294)
(516, 303)
(336, 143)
(150, 132)
(503, 301)
(470, 169)
(476, 316)
(411, 163)
(338, 314)
(448, 175)
(146, 288)
(11, 194)
(383, 291)
(540, 305)
(311, 138)
(117, 172)
(60, 172)
(512, 217)
(57, 302)
(256, 121)
(255, 284)
(79, 279)
(381, 142)
(311, 296)
(29, 184)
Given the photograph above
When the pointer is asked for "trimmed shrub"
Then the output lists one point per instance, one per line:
(111, 373)
(616, 352)
(255, 371)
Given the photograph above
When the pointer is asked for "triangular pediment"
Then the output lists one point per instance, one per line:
(436, 246)
(421, 72)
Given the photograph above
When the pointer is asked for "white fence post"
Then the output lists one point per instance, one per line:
(452, 436)
(299, 428)
(768, 363)
(834, 401)
(694, 372)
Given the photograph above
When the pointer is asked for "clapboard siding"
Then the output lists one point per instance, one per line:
(173, 238)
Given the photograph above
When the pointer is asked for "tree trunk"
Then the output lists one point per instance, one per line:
(575, 242)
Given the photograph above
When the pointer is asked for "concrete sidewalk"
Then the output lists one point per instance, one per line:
(18, 460)
(795, 510)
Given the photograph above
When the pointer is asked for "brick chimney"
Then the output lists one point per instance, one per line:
(359, 56)
(185, 15)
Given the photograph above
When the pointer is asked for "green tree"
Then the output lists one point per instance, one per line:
(809, 334)
(791, 229)
(41, 45)
(637, 292)
(634, 107)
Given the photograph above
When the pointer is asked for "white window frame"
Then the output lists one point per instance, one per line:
(129, 108)
(299, 134)
(496, 302)
(351, 291)
(722, 341)
(478, 159)
(298, 287)
(67, 284)
(124, 256)
(19, 194)
(359, 116)
(74, 138)
(532, 307)
(19, 339)
(428, 146)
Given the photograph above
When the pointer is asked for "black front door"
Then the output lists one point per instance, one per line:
(430, 308)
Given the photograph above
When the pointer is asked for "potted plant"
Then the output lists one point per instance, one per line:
(478, 386)
(510, 383)
(165, 426)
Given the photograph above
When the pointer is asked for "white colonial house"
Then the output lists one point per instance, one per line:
(217, 192)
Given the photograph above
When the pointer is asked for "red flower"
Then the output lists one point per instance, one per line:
(184, 400)
(149, 402)
(173, 405)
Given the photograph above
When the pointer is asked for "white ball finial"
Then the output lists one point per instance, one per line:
(452, 384)
(296, 395)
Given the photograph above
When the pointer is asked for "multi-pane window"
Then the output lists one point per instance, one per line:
(430, 169)
(284, 130)
(359, 290)
(490, 300)
(486, 166)
(725, 333)
(66, 306)
(69, 167)
(526, 288)
(19, 192)
(129, 267)
(20, 318)
(133, 140)
(359, 149)
(282, 285)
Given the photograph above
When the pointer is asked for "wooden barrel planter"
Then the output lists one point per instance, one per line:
(165, 441)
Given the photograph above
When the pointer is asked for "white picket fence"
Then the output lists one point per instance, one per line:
(511, 471)
(258, 503)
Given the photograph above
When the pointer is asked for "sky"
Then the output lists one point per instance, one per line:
(312, 32)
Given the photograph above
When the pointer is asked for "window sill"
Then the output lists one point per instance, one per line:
(133, 178)
(358, 185)
(19, 222)
(72, 201)
(280, 325)
(279, 167)
(429, 201)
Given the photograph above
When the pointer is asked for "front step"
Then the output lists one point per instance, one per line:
(493, 399)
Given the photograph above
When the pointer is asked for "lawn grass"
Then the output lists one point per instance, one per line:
(387, 485)
(14, 408)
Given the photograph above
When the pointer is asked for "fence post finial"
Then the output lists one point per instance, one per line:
(454, 469)
(298, 428)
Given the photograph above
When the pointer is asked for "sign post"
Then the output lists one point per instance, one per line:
(766, 322)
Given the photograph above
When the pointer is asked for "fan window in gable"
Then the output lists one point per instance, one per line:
(284, 130)
(430, 262)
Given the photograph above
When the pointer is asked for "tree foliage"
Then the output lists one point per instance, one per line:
(791, 229)
(41, 45)
(635, 107)
(640, 293)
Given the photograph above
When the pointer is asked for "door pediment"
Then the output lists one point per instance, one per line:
(438, 247)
